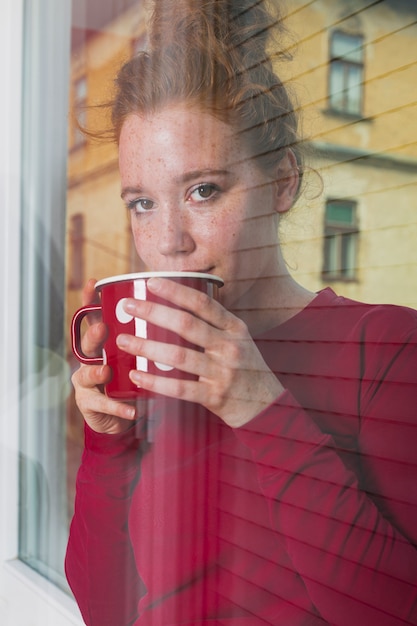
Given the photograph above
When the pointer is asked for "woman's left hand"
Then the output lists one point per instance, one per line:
(234, 381)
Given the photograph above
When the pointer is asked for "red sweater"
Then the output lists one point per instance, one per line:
(305, 516)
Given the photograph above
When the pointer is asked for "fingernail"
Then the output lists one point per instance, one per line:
(130, 412)
(154, 283)
(135, 376)
(122, 341)
(129, 306)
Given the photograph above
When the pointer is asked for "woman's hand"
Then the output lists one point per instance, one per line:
(101, 413)
(234, 381)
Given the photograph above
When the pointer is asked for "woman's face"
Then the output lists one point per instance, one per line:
(197, 202)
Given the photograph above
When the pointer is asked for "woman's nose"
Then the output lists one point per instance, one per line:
(174, 235)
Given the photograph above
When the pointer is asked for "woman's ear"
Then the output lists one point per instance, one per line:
(286, 182)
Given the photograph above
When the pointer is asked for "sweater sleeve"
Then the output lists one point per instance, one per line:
(99, 564)
(352, 536)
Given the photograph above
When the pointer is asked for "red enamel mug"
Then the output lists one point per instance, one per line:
(113, 292)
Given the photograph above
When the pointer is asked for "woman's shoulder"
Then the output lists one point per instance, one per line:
(376, 320)
(330, 317)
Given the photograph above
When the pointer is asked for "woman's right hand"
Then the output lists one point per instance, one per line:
(101, 413)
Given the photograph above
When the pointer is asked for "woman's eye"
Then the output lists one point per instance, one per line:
(141, 205)
(202, 192)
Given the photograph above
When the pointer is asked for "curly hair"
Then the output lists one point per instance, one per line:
(215, 54)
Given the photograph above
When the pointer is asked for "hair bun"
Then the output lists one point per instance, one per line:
(243, 28)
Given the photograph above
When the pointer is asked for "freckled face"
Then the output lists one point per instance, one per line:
(197, 202)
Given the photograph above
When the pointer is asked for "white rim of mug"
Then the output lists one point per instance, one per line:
(145, 275)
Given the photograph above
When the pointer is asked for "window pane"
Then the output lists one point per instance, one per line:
(345, 87)
(347, 46)
(348, 260)
(337, 85)
(51, 428)
(44, 370)
(340, 240)
(341, 213)
(332, 264)
(346, 73)
(354, 89)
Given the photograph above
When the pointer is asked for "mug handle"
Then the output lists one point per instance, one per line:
(76, 335)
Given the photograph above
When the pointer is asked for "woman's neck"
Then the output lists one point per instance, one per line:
(276, 300)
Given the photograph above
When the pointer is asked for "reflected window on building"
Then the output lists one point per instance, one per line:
(340, 240)
(346, 69)
(76, 252)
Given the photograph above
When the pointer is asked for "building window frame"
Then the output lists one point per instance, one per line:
(346, 73)
(340, 240)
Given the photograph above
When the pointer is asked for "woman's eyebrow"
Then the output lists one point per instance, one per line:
(196, 174)
(130, 190)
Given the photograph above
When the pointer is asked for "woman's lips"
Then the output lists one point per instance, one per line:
(198, 271)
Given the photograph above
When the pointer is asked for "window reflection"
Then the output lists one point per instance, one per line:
(346, 73)
(362, 163)
(340, 240)
(366, 169)
(99, 242)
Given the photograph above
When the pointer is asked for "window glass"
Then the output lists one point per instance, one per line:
(347, 46)
(353, 92)
(337, 82)
(99, 242)
(45, 385)
(346, 72)
(340, 240)
(340, 213)
(74, 224)
(65, 237)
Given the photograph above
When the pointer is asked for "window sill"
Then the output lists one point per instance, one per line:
(49, 598)
(338, 279)
(353, 117)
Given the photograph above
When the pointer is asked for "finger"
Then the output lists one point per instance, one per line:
(178, 321)
(93, 339)
(95, 404)
(91, 401)
(197, 302)
(180, 357)
(89, 293)
(90, 296)
(189, 391)
(90, 376)
(187, 325)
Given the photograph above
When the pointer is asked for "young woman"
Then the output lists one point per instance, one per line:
(280, 487)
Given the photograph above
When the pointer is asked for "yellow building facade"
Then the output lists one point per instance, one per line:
(362, 129)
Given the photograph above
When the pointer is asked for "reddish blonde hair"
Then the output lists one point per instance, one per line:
(214, 54)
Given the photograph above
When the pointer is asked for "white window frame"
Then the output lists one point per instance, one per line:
(25, 596)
